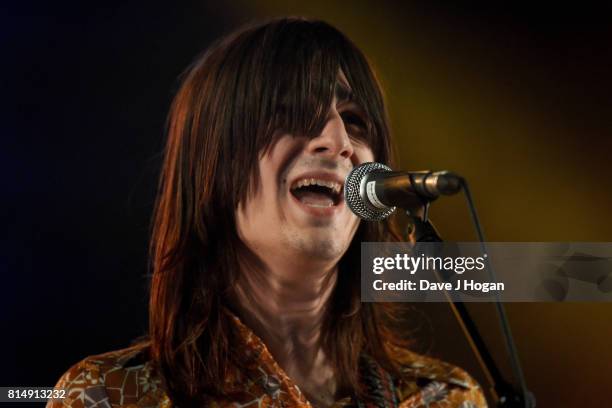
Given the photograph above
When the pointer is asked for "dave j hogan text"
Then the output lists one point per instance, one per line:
(461, 285)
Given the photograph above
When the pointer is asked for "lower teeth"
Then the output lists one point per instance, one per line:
(321, 205)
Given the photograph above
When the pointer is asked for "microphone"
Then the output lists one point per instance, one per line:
(373, 191)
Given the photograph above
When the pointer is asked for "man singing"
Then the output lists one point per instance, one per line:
(255, 255)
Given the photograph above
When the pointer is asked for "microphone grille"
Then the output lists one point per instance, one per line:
(353, 197)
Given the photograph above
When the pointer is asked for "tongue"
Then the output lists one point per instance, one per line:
(315, 199)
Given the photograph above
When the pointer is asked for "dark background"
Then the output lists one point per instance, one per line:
(514, 97)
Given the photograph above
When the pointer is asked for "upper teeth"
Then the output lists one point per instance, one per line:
(334, 186)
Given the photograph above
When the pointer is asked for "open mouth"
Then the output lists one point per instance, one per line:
(317, 193)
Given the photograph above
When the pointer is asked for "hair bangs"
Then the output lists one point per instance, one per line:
(306, 62)
(302, 77)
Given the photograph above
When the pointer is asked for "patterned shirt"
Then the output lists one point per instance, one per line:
(125, 379)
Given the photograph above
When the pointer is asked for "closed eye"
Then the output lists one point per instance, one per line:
(354, 124)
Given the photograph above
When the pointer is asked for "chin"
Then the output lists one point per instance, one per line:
(322, 248)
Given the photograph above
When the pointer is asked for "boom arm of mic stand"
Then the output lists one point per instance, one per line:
(506, 394)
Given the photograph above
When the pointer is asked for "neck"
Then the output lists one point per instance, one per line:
(285, 306)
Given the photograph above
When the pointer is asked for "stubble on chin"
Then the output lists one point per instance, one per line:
(317, 246)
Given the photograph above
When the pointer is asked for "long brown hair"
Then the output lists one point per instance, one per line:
(277, 75)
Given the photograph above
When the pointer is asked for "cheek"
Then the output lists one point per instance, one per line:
(362, 154)
(251, 215)
(352, 223)
(242, 227)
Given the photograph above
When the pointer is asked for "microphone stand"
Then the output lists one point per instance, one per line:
(505, 393)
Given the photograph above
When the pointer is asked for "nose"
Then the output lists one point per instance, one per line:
(333, 142)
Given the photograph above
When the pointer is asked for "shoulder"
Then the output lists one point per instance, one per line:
(426, 381)
(117, 378)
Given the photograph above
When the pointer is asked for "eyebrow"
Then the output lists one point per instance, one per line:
(343, 92)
